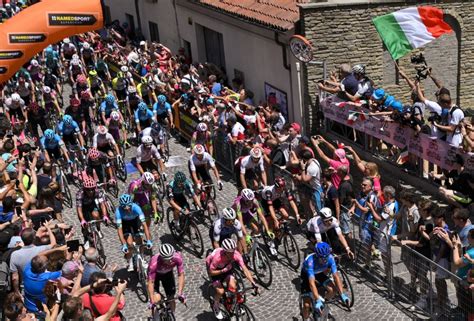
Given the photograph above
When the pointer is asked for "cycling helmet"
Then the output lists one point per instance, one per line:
(16, 97)
(378, 94)
(93, 154)
(115, 115)
(34, 63)
(93, 73)
(148, 178)
(109, 99)
(85, 95)
(359, 69)
(248, 194)
(132, 89)
(81, 78)
(34, 106)
(89, 183)
(102, 130)
(198, 149)
(325, 213)
(280, 182)
(49, 134)
(322, 249)
(147, 140)
(210, 101)
(162, 99)
(228, 213)
(124, 69)
(86, 45)
(156, 126)
(66, 40)
(125, 200)
(46, 89)
(75, 62)
(256, 153)
(179, 177)
(142, 106)
(229, 245)
(167, 251)
(75, 102)
(75, 57)
(202, 127)
(67, 119)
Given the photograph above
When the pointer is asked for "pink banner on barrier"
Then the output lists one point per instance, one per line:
(434, 150)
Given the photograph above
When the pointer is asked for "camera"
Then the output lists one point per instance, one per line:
(421, 66)
(434, 118)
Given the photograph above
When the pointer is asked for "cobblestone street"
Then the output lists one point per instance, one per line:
(279, 302)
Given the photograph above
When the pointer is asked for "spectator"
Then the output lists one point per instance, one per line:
(346, 195)
(310, 178)
(345, 82)
(90, 267)
(464, 264)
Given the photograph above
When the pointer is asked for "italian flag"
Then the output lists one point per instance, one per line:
(403, 157)
(354, 116)
(411, 28)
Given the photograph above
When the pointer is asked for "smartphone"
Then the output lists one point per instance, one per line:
(39, 305)
(43, 220)
(18, 211)
(73, 246)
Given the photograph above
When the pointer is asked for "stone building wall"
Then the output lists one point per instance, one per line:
(344, 33)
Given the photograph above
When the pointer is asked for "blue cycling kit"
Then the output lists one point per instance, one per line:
(161, 109)
(51, 143)
(108, 108)
(122, 215)
(312, 265)
(140, 116)
(66, 130)
(175, 189)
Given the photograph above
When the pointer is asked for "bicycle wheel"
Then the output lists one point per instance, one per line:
(262, 267)
(169, 219)
(292, 251)
(212, 192)
(121, 169)
(244, 313)
(67, 196)
(142, 280)
(100, 249)
(212, 211)
(347, 286)
(168, 316)
(195, 239)
(110, 208)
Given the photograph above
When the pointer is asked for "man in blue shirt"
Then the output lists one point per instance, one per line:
(35, 278)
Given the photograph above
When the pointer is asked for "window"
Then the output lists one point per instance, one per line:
(107, 15)
(131, 24)
(214, 46)
(154, 33)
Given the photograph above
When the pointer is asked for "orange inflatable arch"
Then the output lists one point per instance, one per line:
(44, 23)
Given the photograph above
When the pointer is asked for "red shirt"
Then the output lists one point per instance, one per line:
(102, 303)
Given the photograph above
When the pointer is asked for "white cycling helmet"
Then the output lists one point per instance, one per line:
(75, 56)
(34, 63)
(67, 40)
(199, 149)
(248, 194)
(325, 213)
(124, 69)
(147, 140)
(86, 45)
(359, 69)
(16, 97)
(229, 245)
(256, 153)
(75, 62)
(102, 130)
(167, 251)
(46, 89)
(202, 127)
(228, 213)
(115, 115)
(148, 178)
(132, 89)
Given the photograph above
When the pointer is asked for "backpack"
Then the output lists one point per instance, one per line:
(4, 277)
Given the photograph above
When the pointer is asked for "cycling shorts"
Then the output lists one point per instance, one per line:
(131, 227)
(168, 282)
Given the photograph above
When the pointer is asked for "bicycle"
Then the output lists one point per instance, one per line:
(162, 311)
(260, 263)
(140, 266)
(66, 198)
(109, 203)
(96, 242)
(188, 229)
(233, 303)
(120, 168)
(208, 203)
(291, 249)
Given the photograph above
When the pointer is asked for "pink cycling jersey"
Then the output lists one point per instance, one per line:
(218, 260)
(140, 195)
(161, 266)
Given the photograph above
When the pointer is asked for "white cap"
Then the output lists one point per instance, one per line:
(142, 43)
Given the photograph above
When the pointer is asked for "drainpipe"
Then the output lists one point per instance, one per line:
(139, 20)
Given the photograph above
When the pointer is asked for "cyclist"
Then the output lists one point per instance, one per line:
(160, 270)
(75, 69)
(147, 157)
(14, 106)
(246, 169)
(107, 107)
(54, 146)
(50, 101)
(224, 227)
(220, 267)
(199, 164)
(96, 84)
(143, 195)
(176, 191)
(272, 203)
(133, 99)
(79, 114)
(156, 132)
(115, 125)
(121, 83)
(248, 208)
(52, 61)
(325, 227)
(162, 112)
(146, 91)
(67, 49)
(98, 164)
(202, 136)
(103, 70)
(105, 142)
(87, 54)
(36, 116)
(69, 131)
(89, 206)
(81, 85)
(143, 117)
(129, 219)
(319, 268)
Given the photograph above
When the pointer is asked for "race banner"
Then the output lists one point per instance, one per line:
(432, 149)
(44, 23)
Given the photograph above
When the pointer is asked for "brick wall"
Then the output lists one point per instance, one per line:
(344, 33)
